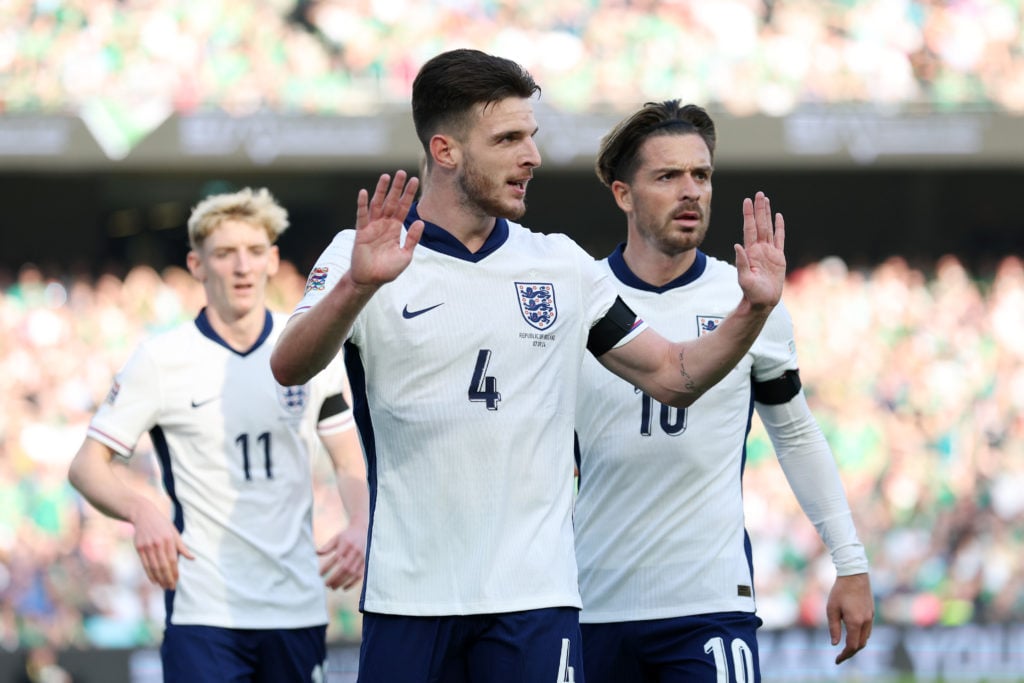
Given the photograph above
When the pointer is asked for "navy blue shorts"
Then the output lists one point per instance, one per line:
(515, 647)
(706, 648)
(208, 654)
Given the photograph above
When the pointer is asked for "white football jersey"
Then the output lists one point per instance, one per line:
(659, 517)
(234, 448)
(464, 375)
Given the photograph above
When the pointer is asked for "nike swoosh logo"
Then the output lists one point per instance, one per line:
(406, 313)
(199, 404)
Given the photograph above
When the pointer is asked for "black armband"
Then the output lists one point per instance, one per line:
(779, 390)
(609, 330)
(333, 405)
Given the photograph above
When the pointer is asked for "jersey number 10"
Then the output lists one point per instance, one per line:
(673, 420)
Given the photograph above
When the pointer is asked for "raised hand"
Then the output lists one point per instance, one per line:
(761, 261)
(378, 255)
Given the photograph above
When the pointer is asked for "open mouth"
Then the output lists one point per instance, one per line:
(519, 185)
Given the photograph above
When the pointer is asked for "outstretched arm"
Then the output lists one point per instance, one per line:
(313, 338)
(156, 540)
(679, 373)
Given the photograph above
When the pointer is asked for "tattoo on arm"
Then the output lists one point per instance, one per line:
(688, 381)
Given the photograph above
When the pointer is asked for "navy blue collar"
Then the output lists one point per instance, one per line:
(618, 265)
(440, 240)
(204, 326)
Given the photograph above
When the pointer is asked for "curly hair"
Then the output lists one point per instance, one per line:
(257, 207)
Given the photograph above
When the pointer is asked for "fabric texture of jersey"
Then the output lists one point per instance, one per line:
(689, 552)
(235, 449)
(464, 376)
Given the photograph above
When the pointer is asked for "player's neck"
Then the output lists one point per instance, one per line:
(654, 266)
(472, 228)
(239, 332)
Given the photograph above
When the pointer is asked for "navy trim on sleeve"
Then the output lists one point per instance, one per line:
(779, 390)
(609, 330)
(333, 405)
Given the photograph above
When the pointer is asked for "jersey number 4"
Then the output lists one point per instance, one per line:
(483, 387)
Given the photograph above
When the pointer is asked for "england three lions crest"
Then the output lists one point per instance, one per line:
(706, 324)
(293, 399)
(537, 303)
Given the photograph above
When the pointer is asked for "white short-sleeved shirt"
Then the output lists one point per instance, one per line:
(234, 448)
(659, 517)
(464, 374)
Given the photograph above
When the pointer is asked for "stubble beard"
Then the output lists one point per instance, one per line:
(667, 239)
(479, 194)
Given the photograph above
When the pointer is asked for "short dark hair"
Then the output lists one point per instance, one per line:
(450, 84)
(618, 156)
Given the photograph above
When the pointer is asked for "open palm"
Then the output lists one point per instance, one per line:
(379, 255)
(761, 261)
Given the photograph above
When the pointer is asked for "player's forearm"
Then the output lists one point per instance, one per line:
(848, 554)
(91, 474)
(313, 338)
(355, 498)
(811, 471)
(698, 365)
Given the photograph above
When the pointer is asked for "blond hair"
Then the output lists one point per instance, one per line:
(256, 207)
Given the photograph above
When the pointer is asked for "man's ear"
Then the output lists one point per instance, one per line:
(445, 151)
(195, 265)
(623, 195)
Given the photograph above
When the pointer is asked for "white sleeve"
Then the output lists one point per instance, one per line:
(332, 264)
(812, 474)
(132, 404)
(329, 268)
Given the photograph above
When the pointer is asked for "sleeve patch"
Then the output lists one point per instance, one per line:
(317, 279)
(115, 389)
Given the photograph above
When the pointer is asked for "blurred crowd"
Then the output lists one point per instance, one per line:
(917, 379)
(918, 382)
(133, 62)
